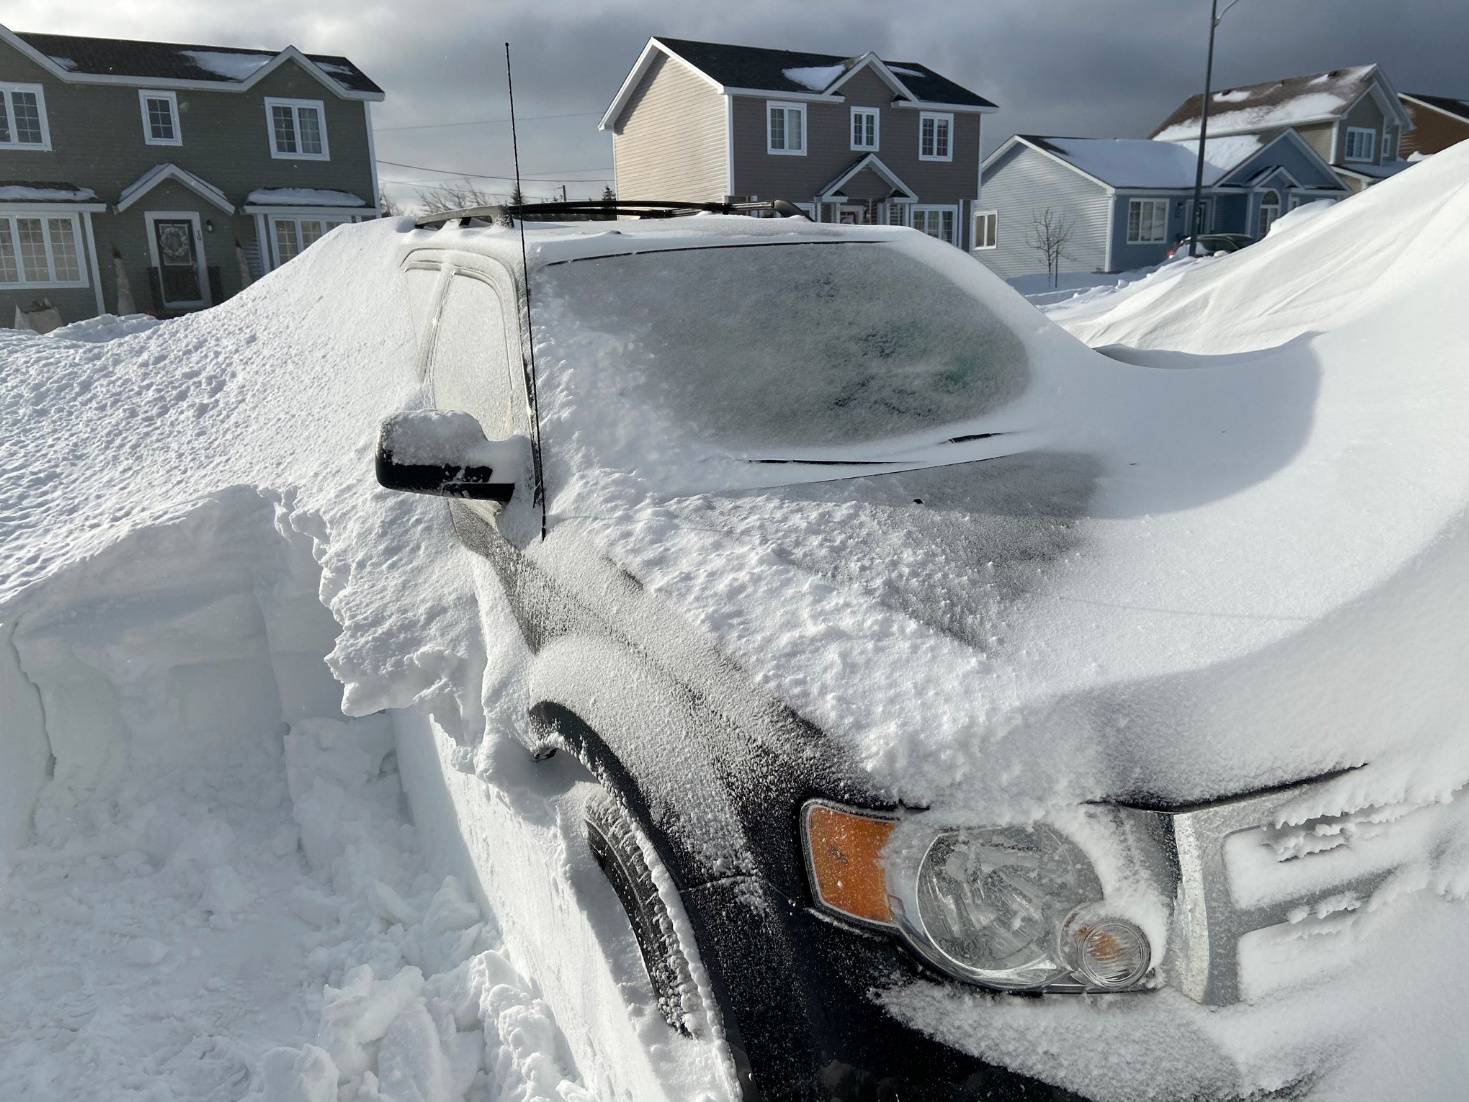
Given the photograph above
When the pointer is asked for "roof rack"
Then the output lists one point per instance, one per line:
(604, 210)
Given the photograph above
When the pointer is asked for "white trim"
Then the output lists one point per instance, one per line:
(377, 195)
(290, 53)
(262, 241)
(876, 116)
(159, 174)
(1163, 240)
(961, 108)
(974, 217)
(945, 117)
(8, 206)
(1287, 135)
(1464, 119)
(1275, 172)
(92, 261)
(781, 93)
(1020, 140)
(296, 106)
(144, 95)
(1346, 149)
(729, 176)
(44, 216)
(329, 221)
(7, 106)
(1111, 238)
(200, 259)
(874, 162)
(787, 107)
(308, 210)
(870, 60)
(923, 208)
(639, 70)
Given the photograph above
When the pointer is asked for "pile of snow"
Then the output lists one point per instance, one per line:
(229, 64)
(34, 193)
(1140, 162)
(304, 197)
(104, 327)
(814, 77)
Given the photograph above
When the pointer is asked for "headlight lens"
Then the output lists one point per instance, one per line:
(987, 904)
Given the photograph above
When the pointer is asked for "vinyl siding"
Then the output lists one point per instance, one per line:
(1319, 137)
(670, 141)
(1286, 155)
(1366, 114)
(1433, 130)
(829, 151)
(1023, 184)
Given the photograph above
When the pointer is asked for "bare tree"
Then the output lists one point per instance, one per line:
(388, 208)
(455, 195)
(1049, 234)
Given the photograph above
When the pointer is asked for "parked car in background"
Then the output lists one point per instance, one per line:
(1211, 243)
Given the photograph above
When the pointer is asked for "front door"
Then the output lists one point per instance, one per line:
(851, 215)
(178, 262)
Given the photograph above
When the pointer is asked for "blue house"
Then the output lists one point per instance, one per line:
(1124, 202)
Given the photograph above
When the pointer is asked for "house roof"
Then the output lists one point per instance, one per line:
(115, 57)
(1273, 104)
(160, 174)
(756, 67)
(1146, 163)
(873, 163)
(1447, 104)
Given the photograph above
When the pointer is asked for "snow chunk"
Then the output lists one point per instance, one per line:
(814, 77)
(227, 64)
(29, 192)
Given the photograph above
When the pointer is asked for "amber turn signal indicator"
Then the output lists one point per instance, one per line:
(844, 857)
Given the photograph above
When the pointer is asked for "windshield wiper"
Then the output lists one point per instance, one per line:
(896, 460)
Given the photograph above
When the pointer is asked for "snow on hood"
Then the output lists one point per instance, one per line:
(1201, 575)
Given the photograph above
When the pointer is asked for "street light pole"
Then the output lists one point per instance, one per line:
(1196, 215)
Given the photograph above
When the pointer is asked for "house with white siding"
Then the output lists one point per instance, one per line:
(855, 139)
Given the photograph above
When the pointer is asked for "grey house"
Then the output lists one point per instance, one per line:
(169, 175)
(1126, 201)
(1352, 118)
(848, 139)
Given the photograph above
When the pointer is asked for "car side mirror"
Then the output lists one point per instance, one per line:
(444, 452)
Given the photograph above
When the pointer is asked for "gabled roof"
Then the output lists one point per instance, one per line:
(1275, 104)
(1144, 163)
(123, 61)
(872, 162)
(159, 174)
(755, 69)
(1459, 108)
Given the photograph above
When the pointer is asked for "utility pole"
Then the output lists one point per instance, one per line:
(1197, 215)
(563, 193)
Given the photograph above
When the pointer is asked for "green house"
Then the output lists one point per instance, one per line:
(163, 178)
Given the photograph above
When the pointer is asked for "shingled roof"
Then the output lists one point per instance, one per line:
(766, 70)
(1272, 104)
(179, 61)
(1459, 107)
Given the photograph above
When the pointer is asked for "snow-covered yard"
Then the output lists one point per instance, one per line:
(246, 695)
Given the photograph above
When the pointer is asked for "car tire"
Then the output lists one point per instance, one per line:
(647, 894)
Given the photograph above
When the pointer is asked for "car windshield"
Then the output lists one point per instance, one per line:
(771, 346)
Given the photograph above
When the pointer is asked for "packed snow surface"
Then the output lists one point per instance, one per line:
(814, 77)
(304, 197)
(1139, 162)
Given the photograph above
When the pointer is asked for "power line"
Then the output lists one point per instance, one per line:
(482, 122)
(571, 178)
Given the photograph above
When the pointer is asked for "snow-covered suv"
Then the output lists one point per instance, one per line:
(849, 584)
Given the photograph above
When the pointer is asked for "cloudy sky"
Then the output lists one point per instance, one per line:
(1081, 67)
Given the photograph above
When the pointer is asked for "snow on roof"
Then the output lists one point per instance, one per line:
(45, 193)
(1271, 105)
(1141, 162)
(304, 197)
(231, 65)
(1447, 104)
(814, 77)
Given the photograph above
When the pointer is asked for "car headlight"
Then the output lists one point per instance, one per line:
(1014, 908)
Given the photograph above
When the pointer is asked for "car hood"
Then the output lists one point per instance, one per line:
(1205, 576)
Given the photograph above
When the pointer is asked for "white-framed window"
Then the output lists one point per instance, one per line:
(785, 128)
(23, 122)
(160, 117)
(986, 222)
(1269, 211)
(936, 220)
(297, 129)
(1361, 144)
(1390, 144)
(40, 250)
(864, 128)
(897, 213)
(1147, 221)
(935, 136)
(290, 237)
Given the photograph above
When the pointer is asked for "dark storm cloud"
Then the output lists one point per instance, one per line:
(1083, 67)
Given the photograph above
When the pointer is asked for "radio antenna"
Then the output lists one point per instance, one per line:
(530, 333)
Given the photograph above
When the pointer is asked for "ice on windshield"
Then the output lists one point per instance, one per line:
(765, 347)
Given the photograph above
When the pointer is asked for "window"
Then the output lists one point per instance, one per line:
(40, 251)
(23, 117)
(293, 236)
(864, 128)
(1269, 210)
(936, 221)
(897, 213)
(984, 229)
(1389, 145)
(1147, 221)
(785, 128)
(160, 118)
(935, 136)
(1361, 144)
(297, 129)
